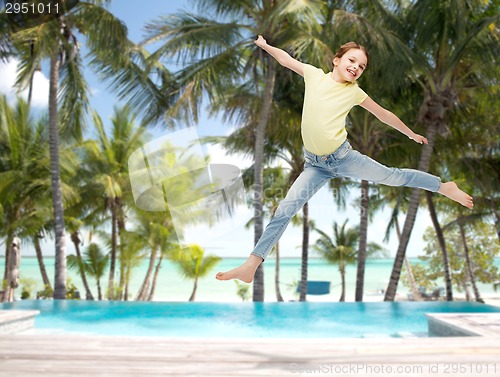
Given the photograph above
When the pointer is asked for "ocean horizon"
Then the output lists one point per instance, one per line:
(172, 286)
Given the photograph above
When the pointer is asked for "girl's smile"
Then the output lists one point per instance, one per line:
(350, 66)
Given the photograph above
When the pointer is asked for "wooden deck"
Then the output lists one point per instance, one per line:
(74, 355)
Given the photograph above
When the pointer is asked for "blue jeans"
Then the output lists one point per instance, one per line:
(344, 162)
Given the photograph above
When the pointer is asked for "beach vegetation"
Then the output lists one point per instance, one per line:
(56, 42)
(157, 231)
(194, 264)
(106, 169)
(46, 293)
(448, 50)
(94, 262)
(472, 250)
(72, 292)
(28, 287)
(341, 249)
(242, 290)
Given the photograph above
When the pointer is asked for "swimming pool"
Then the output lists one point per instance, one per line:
(233, 320)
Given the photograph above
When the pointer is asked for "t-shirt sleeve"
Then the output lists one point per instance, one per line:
(310, 72)
(360, 95)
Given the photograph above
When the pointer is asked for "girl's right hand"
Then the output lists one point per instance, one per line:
(261, 42)
(419, 139)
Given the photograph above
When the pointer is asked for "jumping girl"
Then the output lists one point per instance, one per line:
(328, 98)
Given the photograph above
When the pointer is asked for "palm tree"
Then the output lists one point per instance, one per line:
(451, 43)
(342, 248)
(442, 245)
(57, 42)
(75, 236)
(339, 250)
(79, 216)
(194, 264)
(461, 223)
(470, 267)
(23, 186)
(131, 256)
(21, 149)
(107, 169)
(170, 250)
(154, 229)
(94, 262)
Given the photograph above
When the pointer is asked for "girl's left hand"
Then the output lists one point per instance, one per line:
(419, 139)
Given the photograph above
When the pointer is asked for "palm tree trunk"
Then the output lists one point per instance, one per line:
(342, 280)
(305, 253)
(99, 291)
(155, 278)
(469, 265)
(467, 289)
(32, 76)
(8, 244)
(39, 257)
(4, 297)
(124, 270)
(112, 266)
(141, 295)
(360, 277)
(126, 283)
(442, 245)
(76, 242)
(123, 280)
(497, 217)
(258, 199)
(424, 163)
(55, 178)
(411, 279)
(279, 297)
(195, 287)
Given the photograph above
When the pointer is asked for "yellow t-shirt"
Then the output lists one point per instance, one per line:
(326, 105)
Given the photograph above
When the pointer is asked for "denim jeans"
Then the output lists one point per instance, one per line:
(344, 162)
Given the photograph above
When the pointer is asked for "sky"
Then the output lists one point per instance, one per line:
(238, 241)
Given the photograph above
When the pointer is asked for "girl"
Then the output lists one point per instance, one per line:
(327, 101)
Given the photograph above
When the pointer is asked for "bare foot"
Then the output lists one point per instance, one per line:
(245, 272)
(451, 190)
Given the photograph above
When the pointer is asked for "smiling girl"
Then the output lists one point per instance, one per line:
(328, 98)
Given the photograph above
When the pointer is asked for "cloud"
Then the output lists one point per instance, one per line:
(8, 75)
(94, 91)
(219, 156)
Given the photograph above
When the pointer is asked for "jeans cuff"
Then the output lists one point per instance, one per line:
(438, 184)
(258, 255)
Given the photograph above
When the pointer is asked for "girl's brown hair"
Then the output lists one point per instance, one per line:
(346, 47)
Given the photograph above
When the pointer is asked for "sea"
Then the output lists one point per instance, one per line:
(173, 286)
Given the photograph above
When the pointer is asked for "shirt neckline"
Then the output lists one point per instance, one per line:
(330, 77)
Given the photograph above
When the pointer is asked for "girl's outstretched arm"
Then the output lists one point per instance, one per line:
(281, 56)
(392, 120)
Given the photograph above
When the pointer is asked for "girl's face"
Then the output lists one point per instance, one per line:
(350, 66)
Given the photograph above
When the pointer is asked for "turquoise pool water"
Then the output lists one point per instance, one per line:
(266, 320)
